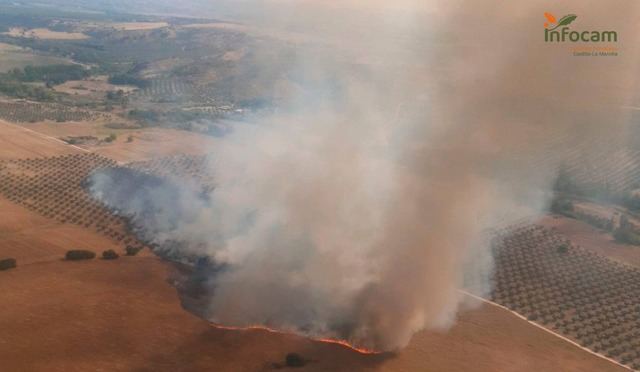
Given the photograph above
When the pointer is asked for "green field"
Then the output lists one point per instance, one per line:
(16, 57)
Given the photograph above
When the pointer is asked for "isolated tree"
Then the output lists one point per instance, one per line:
(79, 254)
(295, 360)
(110, 254)
(7, 263)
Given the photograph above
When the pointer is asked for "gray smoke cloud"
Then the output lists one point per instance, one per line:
(360, 210)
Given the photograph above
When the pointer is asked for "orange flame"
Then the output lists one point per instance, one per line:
(324, 340)
(344, 343)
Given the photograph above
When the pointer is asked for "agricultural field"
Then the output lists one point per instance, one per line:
(147, 144)
(44, 33)
(29, 187)
(20, 143)
(145, 71)
(12, 56)
(181, 166)
(569, 289)
(30, 237)
(134, 26)
(127, 317)
(593, 238)
(33, 187)
(96, 87)
(540, 273)
(31, 112)
(491, 338)
(82, 91)
(606, 168)
(53, 187)
(165, 89)
(614, 171)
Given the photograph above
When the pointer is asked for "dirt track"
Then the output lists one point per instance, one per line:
(18, 143)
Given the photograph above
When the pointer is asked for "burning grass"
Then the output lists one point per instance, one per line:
(343, 343)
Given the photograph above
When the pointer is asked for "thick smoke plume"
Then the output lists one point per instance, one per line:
(359, 210)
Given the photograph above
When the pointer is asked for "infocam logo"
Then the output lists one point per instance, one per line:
(558, 31)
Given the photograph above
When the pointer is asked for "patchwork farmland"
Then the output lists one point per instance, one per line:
(584, 296)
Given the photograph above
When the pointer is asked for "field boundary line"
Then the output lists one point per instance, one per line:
(547, 330)
(44, 135)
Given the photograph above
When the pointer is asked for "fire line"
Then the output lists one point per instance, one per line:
(324, 340)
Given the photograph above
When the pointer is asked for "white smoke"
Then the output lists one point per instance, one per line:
(359, 212)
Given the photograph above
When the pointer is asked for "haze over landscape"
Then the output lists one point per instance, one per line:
(354, 185)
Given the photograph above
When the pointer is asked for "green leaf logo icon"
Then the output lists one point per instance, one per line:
(566, 20)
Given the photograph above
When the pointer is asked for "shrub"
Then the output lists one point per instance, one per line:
(562, 206)
(295, 360)
(8, 263)
(51, 74)
(632, 201)
(19, 90)
(110, 255)
(626, 236)
(79, 254)
(626, 233)
(115, 95)
(129, 79)
(132, 251)
(112, 137)
(145, 115)
(122, 125)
